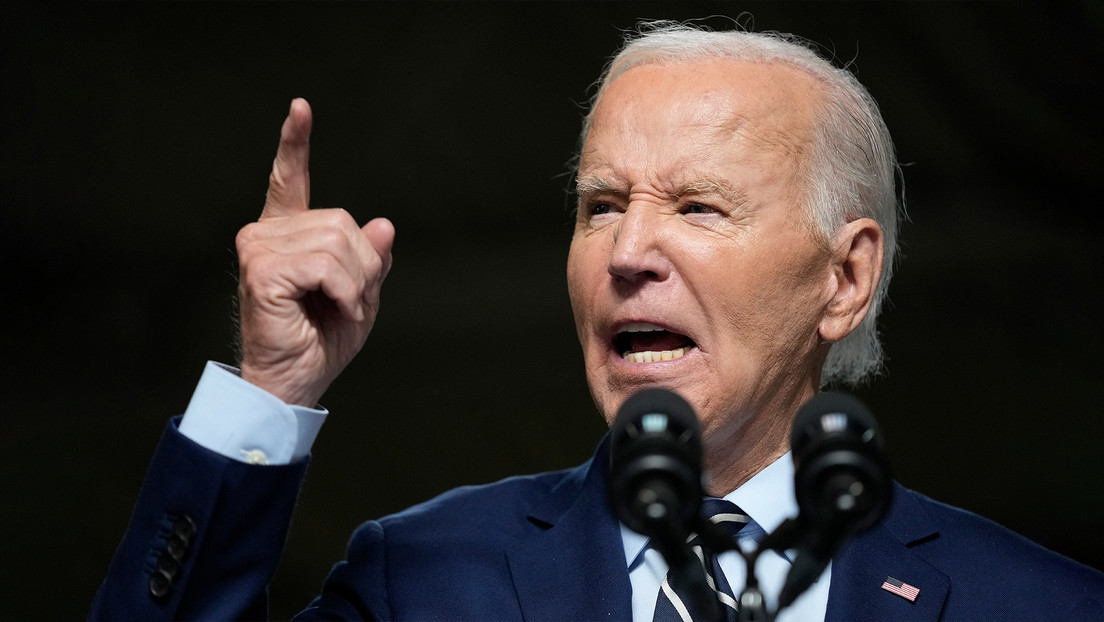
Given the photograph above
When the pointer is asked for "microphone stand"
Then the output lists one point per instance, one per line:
(656, 509)
(792, 533)
(685, 573)
(752, 605)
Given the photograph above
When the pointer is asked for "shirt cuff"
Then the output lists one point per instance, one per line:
(240, 420)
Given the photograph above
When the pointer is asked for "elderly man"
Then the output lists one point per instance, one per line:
(735, 231)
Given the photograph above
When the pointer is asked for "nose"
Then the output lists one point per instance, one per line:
(638, 253)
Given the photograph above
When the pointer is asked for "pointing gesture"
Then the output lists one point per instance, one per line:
(310, 279)
(289, 183)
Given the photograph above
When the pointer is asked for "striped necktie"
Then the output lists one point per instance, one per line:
(671, 601)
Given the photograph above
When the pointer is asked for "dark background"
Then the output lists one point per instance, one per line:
(137, 139)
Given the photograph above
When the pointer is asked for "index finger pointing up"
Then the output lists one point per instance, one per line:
(289, 183)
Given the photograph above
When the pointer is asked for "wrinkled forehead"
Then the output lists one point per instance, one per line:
(688, 114)
(769, 79)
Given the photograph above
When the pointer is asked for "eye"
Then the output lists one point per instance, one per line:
(599, 208)
(698, 208)
(597, 211)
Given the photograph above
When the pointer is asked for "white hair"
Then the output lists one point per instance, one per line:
(852, 170)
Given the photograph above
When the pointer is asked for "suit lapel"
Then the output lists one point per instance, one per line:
(889, 550)
(572, 564)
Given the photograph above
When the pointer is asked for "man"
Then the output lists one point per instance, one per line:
(735, 231)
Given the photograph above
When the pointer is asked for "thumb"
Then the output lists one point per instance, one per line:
(380, 233)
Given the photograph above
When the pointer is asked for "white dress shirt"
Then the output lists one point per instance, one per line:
(767, 499)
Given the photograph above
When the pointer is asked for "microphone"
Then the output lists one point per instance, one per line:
(655, 480)
(655, 486)
(841, 480)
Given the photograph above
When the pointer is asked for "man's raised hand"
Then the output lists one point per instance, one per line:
(310, 279)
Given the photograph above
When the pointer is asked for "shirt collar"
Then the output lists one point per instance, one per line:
(767, 498)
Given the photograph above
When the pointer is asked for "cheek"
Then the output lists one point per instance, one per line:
(574, 279)
(759, 305)
(580, 282)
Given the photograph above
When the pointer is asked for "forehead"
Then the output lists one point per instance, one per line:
(670, 119)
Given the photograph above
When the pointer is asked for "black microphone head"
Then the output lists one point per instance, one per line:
(841, 479)
(655, 476)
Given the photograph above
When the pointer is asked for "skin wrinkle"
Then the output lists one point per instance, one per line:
(747, 282)
(587, 188)
(791, 143)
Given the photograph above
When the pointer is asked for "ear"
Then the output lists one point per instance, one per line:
(856, 269)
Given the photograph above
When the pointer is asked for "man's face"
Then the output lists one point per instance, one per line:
(692, 266)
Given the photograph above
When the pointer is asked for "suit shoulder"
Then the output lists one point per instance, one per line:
(485, 508)
(965, 528)
(964, 544)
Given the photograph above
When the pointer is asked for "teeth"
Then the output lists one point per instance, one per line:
(652, 356)
(639, 327)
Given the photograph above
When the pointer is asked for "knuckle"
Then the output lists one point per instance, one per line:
(333, 240)
(255, 271)
(346, 289)
(373, 266)
(276, 179)
(245, 236)
(319, 266)
(336, 217)
(318, 263)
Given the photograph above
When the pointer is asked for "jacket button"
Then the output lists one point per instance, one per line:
(160, 585)
(176, 547)
(168, 567)
(185, 527)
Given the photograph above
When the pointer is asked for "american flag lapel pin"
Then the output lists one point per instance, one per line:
(900, 588)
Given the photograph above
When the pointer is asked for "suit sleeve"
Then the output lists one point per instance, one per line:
(204, 540)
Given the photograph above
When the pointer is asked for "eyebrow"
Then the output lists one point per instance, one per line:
(595, 184)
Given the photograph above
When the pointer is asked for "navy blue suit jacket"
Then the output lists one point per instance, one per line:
(540, 547)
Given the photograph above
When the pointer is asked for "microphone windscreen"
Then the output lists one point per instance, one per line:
(841, 477)
(655, 463)
(830, 416)
(655, 411)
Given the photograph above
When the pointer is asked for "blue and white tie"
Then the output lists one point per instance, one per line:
(671, 601)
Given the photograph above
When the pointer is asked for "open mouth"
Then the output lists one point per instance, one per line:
(641, 342)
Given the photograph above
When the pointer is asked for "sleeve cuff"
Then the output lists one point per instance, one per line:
(241, 421)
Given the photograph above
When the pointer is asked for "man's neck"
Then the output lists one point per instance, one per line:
(735, 453)
(724, 476)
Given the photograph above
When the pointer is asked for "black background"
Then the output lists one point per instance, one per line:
(137, 139)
